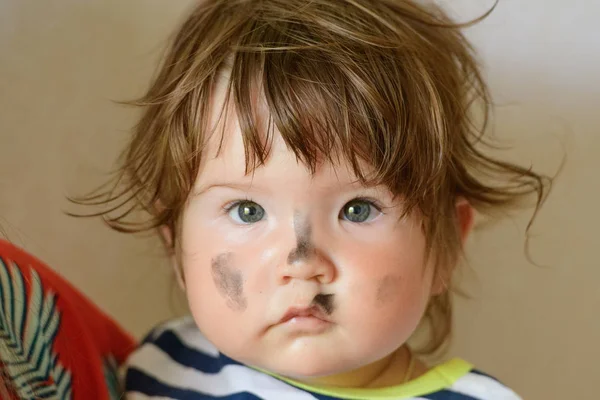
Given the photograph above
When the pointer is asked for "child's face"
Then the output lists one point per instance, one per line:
(258, 250)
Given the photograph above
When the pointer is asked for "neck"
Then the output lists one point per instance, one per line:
(389, 371)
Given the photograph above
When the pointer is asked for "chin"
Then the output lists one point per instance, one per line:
(308, 365)
(307, 372)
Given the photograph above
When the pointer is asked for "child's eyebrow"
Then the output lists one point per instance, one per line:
(228, 185)
(251, 186)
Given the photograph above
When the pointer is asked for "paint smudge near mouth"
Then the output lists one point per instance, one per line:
(325, 302)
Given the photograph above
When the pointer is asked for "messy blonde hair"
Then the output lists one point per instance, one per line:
(387, 83)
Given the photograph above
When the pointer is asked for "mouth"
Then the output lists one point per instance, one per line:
(305, 321)
(310, 320)
(297, 314)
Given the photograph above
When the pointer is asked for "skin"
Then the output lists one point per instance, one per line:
(387, 287)
(303, 251)
(304, 248)
(229, 281)
(325, 302)
(372, 276)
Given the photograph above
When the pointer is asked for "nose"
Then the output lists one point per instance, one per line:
(307, 258)
(307, 264)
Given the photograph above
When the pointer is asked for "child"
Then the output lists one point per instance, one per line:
(313, 169)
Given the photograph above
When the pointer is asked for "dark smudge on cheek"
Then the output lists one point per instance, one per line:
(387, 288)
(229, 281)
(304, 247)
(325, 302)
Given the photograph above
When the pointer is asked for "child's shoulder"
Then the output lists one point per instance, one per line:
(175, 360)
(475, 384)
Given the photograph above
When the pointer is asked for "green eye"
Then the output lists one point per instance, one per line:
(358, 211)
(247, 212)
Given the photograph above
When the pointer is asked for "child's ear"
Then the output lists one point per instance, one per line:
(167, 237)
(465, 215)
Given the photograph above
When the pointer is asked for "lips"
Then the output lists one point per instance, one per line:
(308, 312)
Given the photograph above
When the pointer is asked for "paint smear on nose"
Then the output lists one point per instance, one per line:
(304, 247)
(229, 281)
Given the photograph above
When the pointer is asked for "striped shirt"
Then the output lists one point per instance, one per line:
(176, 361)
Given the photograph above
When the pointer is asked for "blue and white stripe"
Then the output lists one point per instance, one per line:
(175, 361)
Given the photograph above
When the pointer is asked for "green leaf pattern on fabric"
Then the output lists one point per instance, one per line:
(111, 376)
(29, 323)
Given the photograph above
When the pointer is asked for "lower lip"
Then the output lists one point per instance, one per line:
(308, 325)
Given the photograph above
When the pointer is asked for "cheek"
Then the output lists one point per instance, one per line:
(229, 281)
(387, 290)
(221, 283)
(214, 284)
(216, 291)
(394, 295)
(386, 311)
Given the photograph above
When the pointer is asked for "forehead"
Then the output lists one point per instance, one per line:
(225, 154)
(225, 160)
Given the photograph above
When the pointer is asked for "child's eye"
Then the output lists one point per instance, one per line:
(246, 212)
(360, 210)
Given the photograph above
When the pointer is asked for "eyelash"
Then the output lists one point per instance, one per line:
(378, 206)
(233, 204)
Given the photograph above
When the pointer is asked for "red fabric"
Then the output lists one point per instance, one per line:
(86, 335)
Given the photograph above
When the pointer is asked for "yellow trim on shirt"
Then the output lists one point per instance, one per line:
(436, 379)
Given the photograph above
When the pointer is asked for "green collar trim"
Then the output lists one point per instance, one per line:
(436, 379)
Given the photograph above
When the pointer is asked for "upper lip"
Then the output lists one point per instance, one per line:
(293, 312)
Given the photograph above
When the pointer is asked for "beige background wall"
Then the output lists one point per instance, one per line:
(63, 61)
